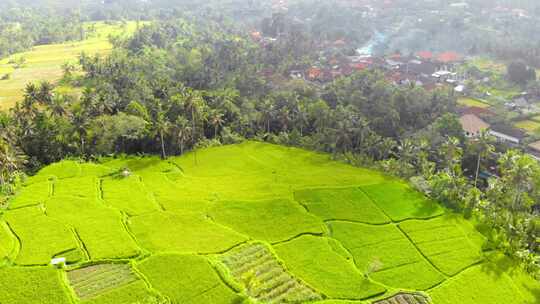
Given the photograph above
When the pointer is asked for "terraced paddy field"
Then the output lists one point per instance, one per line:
(45, 62)
(246, 223)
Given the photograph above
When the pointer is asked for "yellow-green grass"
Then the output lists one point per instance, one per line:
(530, 126)
(487, 64)
(32, 285)
(188, 279)
(386, 255)
(270, 220)
(399, 201)
(44, 62)
(257, 270)
(138, 202)
(341, 204)
(100, 229)
(326, 267)
(7, 242)
(487, 284)
(218, 199)
(471, 102)
(185, 233)
(450, 243)
(32, 194)
(41, 237)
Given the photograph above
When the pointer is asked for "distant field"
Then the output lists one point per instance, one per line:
(471, 102)
(486, 64)
(528, 125)
(251, 223)
(44, 62)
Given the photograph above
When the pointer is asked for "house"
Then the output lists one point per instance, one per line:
(459, 89)
(424, 55)
(473, 125)
(314, 73)
(507, 134)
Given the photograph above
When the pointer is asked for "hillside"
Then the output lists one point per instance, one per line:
(255, 221)
(45, 62)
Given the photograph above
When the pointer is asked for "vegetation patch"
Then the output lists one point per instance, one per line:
(91, 281)
(31, 285)
(185, 233)
(405, 298)
(529, 126)
(77, 187)
(60, 170)
(471, 102)
(480, 284)
(7, 242)
(449, 243)
(128, 194)
(100, 228)
(386, 255)
(341, 204)
(41, 236)
(187, 279)
(31, 194)
(317, 261)
(269, 220)
(401, 202)
(264, 278)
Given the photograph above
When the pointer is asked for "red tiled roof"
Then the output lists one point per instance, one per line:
(448, 57)
(314, 73)
(359, 66)
(425, 54)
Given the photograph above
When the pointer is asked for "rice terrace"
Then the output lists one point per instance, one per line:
(244, 223)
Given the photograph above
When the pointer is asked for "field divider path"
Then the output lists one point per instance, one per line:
(18, 246)
(133, 264)
(152, 194)
(423, 255)
(297, 236)
(81, 243)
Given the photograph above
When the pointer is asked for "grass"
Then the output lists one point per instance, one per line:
(188, 279)
(264, 277)
(269, 220)
(129, 195)
(386, 255)
(31, 285)
(7, 243)
(100, 229)
(530, 126)
(45, 62)
(92, 281)
(400, 202)
(450, 243)
(341, 204)
(314, 260)
(245, 223)
(41, 237)
(472, 102)
(185, 233)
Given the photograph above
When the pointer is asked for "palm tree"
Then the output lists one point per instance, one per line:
(11, 160)
(162, 126)
(182, 131)
(216, 120)
(484, 147)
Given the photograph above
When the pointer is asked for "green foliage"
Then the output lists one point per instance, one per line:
(32, 194)
(185, 233)
(264, 277)
(400, 202)
(451, 244)
(22, 284)
(128, 194)
(100, 229)
(258, 219)
(187, 279)
(77, 187)
(7, 242)
(133, 293)
(341, 204)
(386, 255)
(314, 260)
(41, 237)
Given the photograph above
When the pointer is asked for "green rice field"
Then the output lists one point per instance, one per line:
(242, 224)
(471, 102)
(44, 62)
